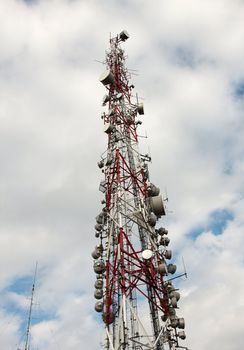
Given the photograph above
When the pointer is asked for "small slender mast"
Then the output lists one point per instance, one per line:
(30, 312)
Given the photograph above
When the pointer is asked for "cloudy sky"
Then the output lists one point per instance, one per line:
(189, 62)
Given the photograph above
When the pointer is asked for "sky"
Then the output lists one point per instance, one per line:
(189, 73)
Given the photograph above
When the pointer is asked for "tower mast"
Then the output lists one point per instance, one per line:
(133, 286)
(27, 337)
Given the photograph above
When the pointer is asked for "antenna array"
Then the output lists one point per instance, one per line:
(134, 290)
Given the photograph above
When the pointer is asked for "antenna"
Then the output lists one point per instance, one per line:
(131, 258)
(99, 61)
(137, 100)
(166, 199)
(184, 266)
(30, 311)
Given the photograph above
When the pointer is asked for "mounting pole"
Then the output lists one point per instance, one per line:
(30, 311)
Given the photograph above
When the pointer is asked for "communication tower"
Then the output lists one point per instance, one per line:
(27, 345)
(134, 277)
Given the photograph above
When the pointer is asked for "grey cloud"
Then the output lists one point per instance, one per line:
(51, 138)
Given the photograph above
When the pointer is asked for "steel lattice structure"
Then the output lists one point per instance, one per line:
(134, 288)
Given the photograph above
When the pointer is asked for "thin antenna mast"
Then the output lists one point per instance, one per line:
(30, 311)
(183, 261)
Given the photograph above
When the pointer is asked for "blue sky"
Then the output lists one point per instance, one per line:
(239, 89)
(189, 59)
(216, 223)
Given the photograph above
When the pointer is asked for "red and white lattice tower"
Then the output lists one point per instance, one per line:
(134, 290)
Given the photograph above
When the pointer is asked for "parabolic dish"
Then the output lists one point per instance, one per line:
(147, 254)
(106, 78)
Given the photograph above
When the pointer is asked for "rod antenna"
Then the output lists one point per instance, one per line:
(30, 311)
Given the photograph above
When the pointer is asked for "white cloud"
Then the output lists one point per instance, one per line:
(189, 57)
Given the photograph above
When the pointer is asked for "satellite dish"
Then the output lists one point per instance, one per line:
(124, 35)
(147, 254)
(107, 78)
